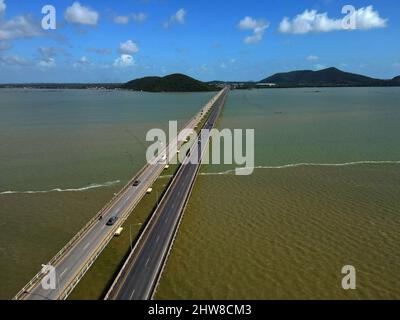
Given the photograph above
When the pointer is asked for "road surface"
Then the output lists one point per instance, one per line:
(138, 277)
(72, 262)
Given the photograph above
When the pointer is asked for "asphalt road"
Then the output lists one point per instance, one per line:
(71, 266)
(139, 276)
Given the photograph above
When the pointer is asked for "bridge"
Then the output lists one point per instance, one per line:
(78, 255)
(141, 272)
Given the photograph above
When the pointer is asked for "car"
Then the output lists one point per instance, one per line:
(112, 221)
(135, 183)
(162, 159)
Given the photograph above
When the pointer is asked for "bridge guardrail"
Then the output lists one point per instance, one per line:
(151, 221)
(36, 278)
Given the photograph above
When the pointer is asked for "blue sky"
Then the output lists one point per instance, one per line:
(114, 41)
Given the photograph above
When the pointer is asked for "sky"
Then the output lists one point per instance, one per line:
(116, 41)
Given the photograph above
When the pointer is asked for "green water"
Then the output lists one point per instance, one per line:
(68, 140)
(283, 232)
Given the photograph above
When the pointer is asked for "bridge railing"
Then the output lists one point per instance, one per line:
(122, 273)
(94, 219)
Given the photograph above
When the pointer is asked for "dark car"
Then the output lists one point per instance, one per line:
(136, 183)
(112, 221)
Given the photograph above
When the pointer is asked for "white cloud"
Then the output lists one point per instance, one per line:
(19, 27)
(178, 18)
(128, 47)
(14, 60)
(319, 66)
(3, 6)
(396, 64)
(121, 19)
(125, 60)
(257, 26)
(367, 18)
(47, 63)
(139, 17)
(82, 62)
(312, 58)
(81, 15)
(312, 21)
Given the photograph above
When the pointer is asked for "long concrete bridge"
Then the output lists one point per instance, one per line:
(72, 262)
(140, 274)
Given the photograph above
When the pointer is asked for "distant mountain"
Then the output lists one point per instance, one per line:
(171, 83)
(396, 79)
(326, 77)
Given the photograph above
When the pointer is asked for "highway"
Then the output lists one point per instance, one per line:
(73, 261)
(140, 274)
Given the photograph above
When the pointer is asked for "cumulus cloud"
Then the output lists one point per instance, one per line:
(82, 62)
(312, 58)
(13, 60)
(125, 60)
(312, 21)
(139, 17)
(79, 14)
(19, 27)
(178, 18)
(121, 19)
(47, 63)
(128, 47)
(319, 67)
(3, 6)
(258, 26)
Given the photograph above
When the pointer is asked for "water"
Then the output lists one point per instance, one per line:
(63, 153)
(325, 192)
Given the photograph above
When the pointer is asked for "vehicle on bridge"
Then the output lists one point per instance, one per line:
(118, 232)
(135, 183)
(112, 221)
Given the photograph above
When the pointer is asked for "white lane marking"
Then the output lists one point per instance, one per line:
(133, 292)
(86, 246)
(147, 262)
(62, 273)
(166, 220)
(158, 238)
(102, 227)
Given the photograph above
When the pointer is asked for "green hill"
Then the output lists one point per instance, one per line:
(171, 83)
(326, 77)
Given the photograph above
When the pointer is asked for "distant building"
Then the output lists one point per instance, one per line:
(261, 84)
